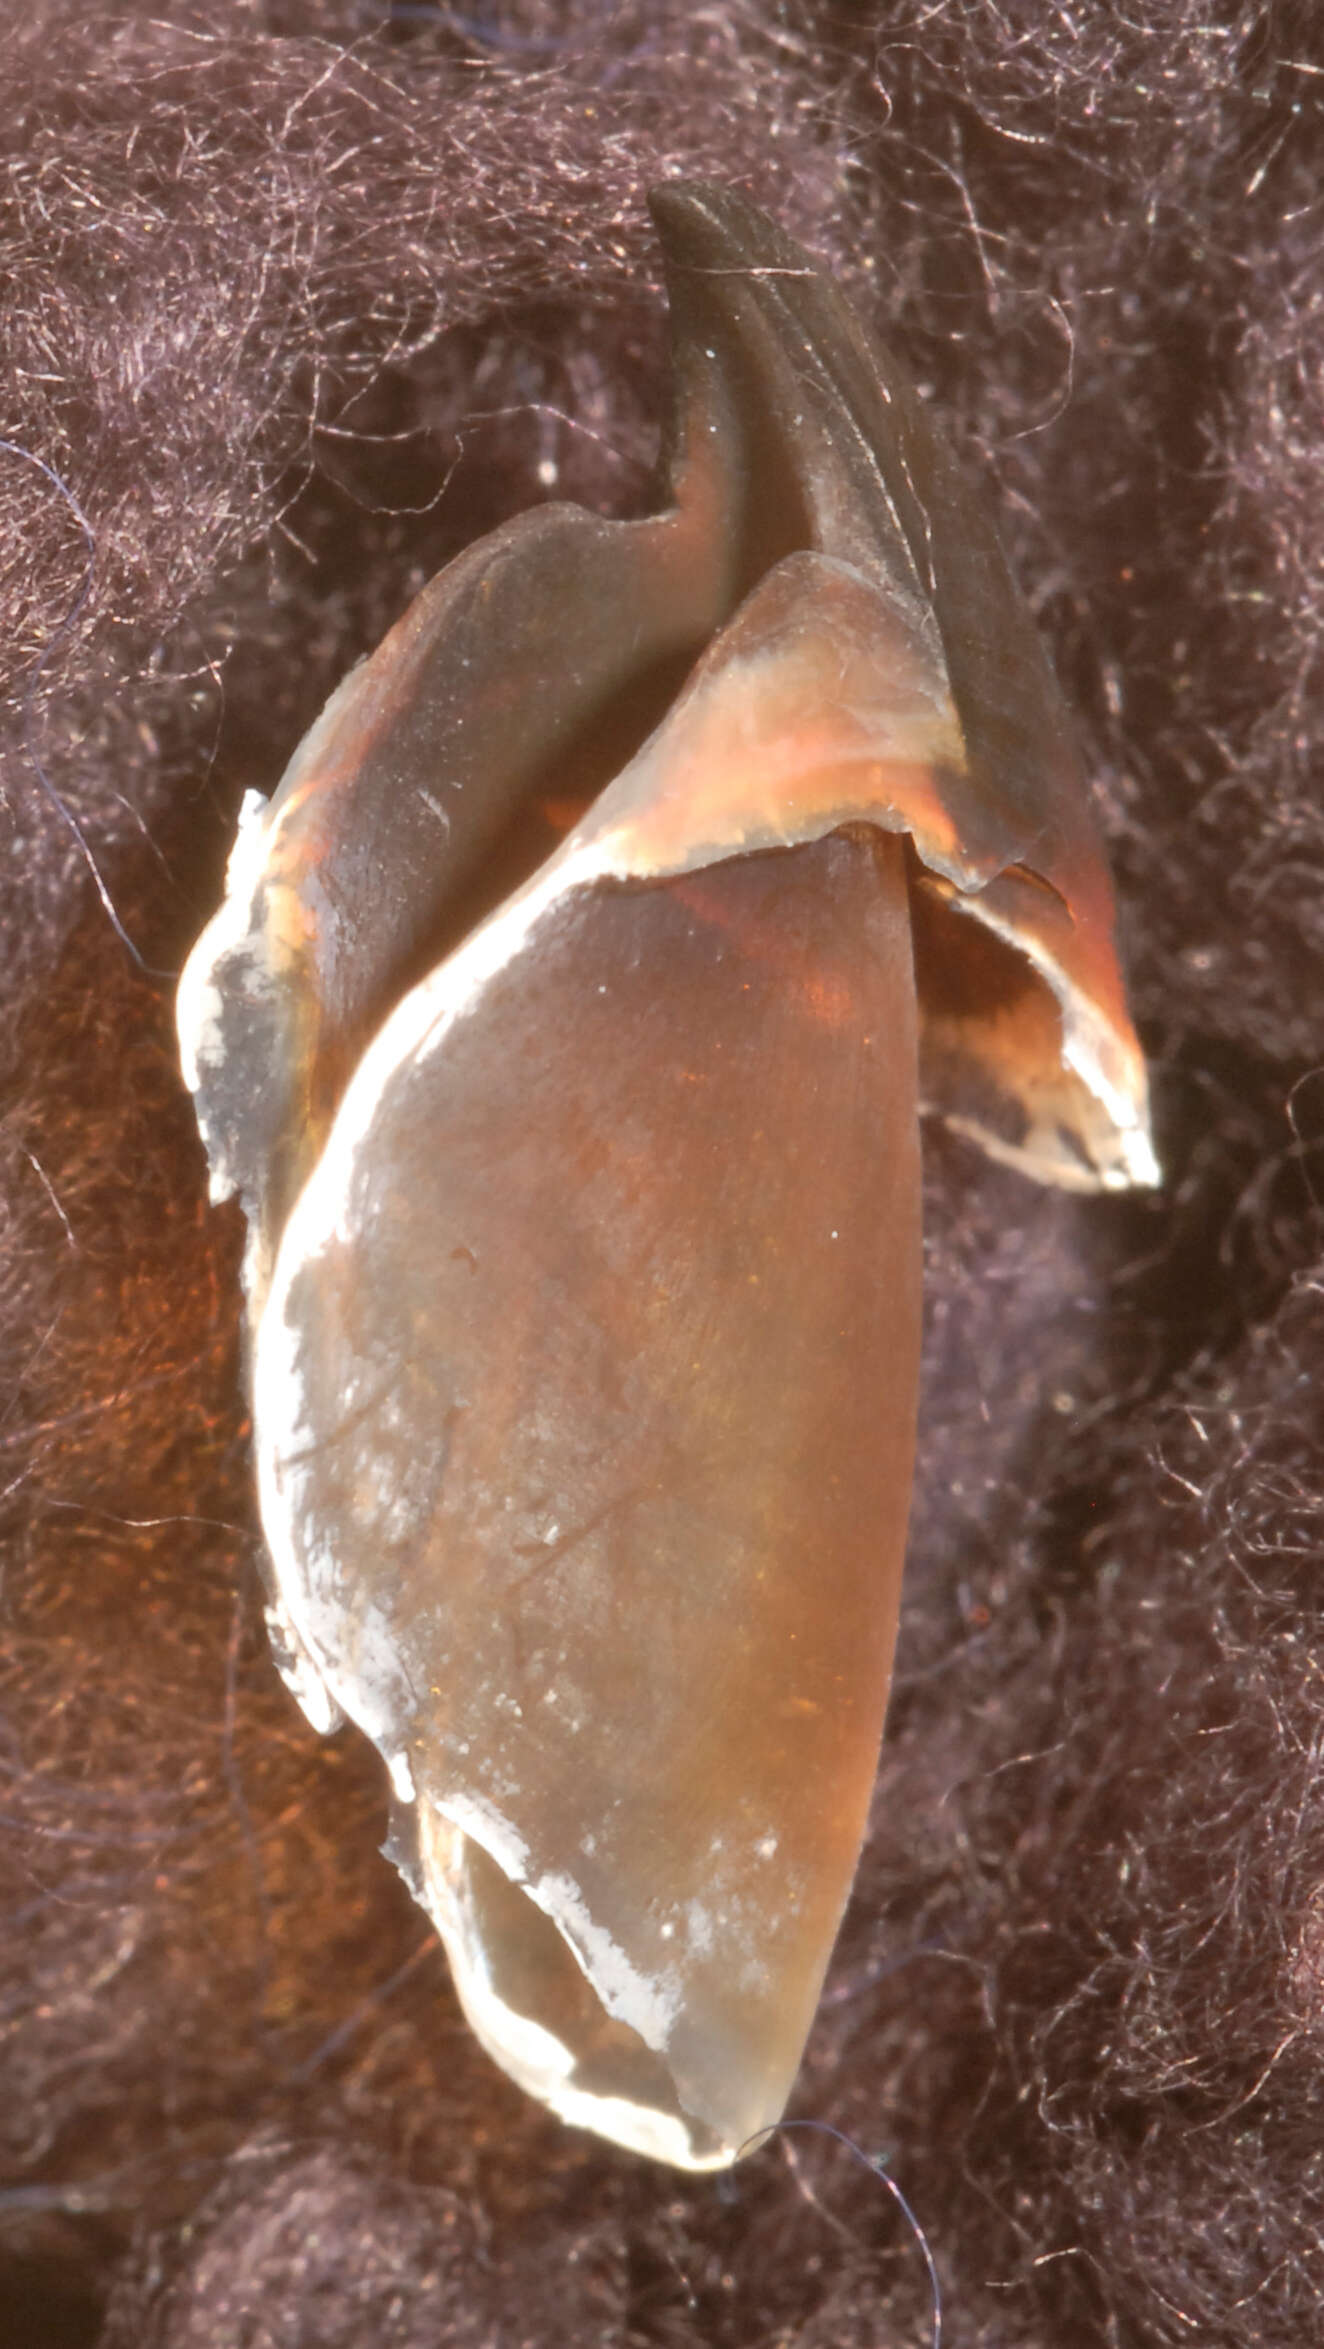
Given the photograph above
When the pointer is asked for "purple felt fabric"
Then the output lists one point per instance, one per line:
(299, 298)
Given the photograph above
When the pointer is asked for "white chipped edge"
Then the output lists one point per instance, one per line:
(1090, 1048)
(200, 1011)
(647, 2006)
(299, 1673)
(198, 1000)
(534, 2058)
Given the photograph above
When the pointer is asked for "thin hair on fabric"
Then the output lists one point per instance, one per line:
(879, 2170)
(42, 663)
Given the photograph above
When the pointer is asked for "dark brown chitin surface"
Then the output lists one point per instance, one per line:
(612, 1366)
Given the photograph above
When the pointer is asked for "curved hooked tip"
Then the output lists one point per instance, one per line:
(583, 1179)
(1032, 1050)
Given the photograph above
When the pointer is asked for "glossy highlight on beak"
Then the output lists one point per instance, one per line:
(582, 1177)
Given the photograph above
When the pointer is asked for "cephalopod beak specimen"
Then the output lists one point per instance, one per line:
(583, 1180)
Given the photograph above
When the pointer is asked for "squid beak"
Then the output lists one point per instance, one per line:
(584, 1275)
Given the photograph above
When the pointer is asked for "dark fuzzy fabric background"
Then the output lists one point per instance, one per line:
(297, 299)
